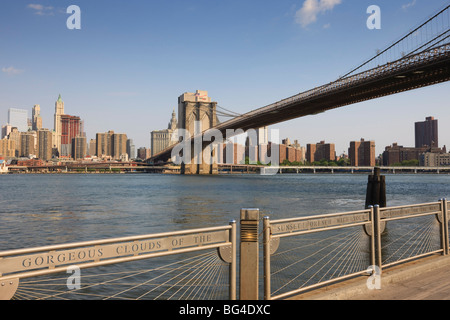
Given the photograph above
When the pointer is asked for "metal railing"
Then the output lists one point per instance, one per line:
(299, 255)
(17, 265)
(350, 244)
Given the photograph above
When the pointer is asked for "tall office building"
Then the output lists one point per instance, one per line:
(161, 139)
(59, 111)
(18, 118)
(36, 118)
(44, 144)
(71, 127)
(427, 133)
(131, 149)
(362, 153)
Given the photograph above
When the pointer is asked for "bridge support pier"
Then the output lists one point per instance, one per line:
(196, 114)
(198, 165)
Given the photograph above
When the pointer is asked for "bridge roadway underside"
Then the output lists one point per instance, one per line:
(409, 78)
(424, 279)
(405, 77)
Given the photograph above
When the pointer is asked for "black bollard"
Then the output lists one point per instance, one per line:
(376, 189)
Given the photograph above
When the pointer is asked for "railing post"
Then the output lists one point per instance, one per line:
(249, 255)
(378, 231)
(373, 237)
(444, 227)
(266, 248)
(233, 261)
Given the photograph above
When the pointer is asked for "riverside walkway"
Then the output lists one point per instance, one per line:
(425, 279)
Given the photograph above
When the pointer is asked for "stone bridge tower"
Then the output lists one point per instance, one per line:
(197, 113)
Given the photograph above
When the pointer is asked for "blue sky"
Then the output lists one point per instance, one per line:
(126, 67)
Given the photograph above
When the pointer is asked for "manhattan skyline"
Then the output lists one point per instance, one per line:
(125, 68)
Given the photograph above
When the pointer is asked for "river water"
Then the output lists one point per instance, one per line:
(38, 210)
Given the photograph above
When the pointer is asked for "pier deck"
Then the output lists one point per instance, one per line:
(425, 279)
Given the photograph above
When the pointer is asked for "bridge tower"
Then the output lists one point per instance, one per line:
(197, 113)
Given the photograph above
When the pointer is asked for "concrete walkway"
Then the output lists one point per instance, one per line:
(425, 279)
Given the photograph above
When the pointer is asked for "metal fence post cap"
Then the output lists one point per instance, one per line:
(250, 214)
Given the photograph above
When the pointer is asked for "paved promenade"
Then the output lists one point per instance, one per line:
(426, 279)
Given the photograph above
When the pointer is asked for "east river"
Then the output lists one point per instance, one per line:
(38, 210)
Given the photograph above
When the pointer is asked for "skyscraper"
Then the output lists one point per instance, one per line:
(18, 118)
(44, 144)
(427, 133)
(37, 119)
(59, 111)
(131, 149)
(70, 128)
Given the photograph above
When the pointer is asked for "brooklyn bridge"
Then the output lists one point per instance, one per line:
(418, 59)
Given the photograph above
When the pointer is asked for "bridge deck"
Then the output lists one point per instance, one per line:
(425, 279)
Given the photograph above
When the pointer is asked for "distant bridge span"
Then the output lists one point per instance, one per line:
(423, 69)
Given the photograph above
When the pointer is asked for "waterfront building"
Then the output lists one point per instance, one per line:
(92, 147)
(7, 148)
(362, 153)
(119, 141)
(429, 159)
(14, 135)
(18, 118)
(426, 133)
(320, 151)
(111, 144)
(396, 154)
(79, 147)
(27, 144)
(144, 153)
(162, 139)
(3, 167)
(103, 142)
(44, 144)
(292, 152)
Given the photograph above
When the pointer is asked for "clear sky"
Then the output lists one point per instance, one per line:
(126, 67)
